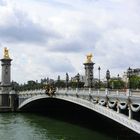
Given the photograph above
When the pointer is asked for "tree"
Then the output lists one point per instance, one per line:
(117, 84)
(59, 84)
(134, 82)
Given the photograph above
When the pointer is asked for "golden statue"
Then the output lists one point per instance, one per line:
(6, 53)
(89, 57)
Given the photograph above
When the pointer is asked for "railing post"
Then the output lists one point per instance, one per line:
(76, 92)
(107, 104)
(98, 91)
(89, 90)
(130, 113)
(117, 92)
(66, 91)
(118, 109)
(128, 92)
(57, 89)
(106, 91)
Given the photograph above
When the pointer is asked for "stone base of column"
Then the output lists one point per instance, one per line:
(5, 109)
(4, 100)
(4, 103)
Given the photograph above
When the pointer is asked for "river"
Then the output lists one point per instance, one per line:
(22, 126)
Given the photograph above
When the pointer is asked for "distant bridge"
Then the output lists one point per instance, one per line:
(107, 103)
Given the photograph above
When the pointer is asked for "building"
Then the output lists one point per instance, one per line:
(81, 78)
(132, 72)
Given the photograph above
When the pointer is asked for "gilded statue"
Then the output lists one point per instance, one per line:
(6, 53)
(89, 57)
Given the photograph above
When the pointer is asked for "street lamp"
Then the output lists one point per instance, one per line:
(67, 80)
(118, 79)
(99, 75)
(78, 79)
(107, 77)
(129, 71)
(91, 80)
(118, 76)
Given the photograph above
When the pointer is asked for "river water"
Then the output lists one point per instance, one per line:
(23, 126)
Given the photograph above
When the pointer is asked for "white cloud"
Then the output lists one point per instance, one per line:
(51, 37)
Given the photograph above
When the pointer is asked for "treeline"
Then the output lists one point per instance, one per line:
(32, 85)
(132, 83)
(114, 83)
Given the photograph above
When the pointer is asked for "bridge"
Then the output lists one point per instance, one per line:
(107, 103)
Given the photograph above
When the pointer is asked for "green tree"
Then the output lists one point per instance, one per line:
(117, 84)
(134, 82)
(60, 84)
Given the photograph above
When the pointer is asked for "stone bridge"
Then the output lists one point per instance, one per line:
(108, 103)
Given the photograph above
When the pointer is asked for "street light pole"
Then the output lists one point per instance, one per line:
(107, 77)
(67, 80)
(78, 79)
(99, 75)
(118, 76)
(129, 71)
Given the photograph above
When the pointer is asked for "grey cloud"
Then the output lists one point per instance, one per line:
(118, 53)
(67, 47)
(25, 30)
(84, 41)
(55, 63)
(2, 3)
(61, 64)
(62, 67)
(59, 3)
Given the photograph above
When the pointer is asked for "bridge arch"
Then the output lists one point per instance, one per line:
(36, 98)
(117, 117)
(109, 104)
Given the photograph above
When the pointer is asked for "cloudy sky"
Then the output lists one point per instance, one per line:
(47, 38)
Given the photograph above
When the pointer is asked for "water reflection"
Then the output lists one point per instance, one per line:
(34, 127)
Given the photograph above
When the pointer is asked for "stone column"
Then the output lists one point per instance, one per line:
(89, 66)
(5, 80)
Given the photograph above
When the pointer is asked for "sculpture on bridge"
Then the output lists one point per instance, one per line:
(49, 90)
(89, 57)
(6, 53)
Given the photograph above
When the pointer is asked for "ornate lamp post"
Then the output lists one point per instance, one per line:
(78, 79)
(107, 78)
(129, 71)
(118, 79)
(118, 76)
(58, 81)
(99, 75)
(67, 80)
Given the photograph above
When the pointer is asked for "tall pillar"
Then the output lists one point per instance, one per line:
(89, 66)
(5, 79)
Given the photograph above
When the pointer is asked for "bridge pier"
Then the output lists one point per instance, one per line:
(5, 97)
